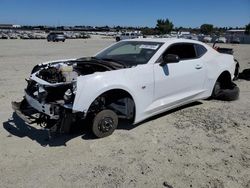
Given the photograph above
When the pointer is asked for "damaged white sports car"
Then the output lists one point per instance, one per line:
(133, 79)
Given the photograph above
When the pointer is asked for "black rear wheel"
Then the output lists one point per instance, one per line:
(104, 123)
(225, 94)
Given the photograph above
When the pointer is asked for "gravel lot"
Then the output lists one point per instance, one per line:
(203, 145)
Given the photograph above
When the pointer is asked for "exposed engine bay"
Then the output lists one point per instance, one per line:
(68, 71)
(60, 79)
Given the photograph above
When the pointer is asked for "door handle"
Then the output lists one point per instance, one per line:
(198, 66)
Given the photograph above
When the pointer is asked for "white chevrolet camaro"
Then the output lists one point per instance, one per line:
(132, 79)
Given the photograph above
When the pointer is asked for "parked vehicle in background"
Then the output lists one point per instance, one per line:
(24, 36)
(235, 40)
(185, 36)
(132, 79)
(56, 37)
(73, 35)
(13, 36)
(84, 36)
(221, 40)
(4, 36)
(128, 35)
(207, 39)
(189, 36)
(31, 36)
(194, 37)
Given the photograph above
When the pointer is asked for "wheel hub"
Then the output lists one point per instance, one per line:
(106, 124)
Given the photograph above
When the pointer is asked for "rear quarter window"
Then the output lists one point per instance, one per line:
(200, 50)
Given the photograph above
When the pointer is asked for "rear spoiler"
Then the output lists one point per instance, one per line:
(223, 50)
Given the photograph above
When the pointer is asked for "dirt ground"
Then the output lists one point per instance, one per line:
(204, 145)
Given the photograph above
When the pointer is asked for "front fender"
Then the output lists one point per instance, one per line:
(91, 86)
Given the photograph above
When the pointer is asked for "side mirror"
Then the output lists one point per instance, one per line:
(170, 58)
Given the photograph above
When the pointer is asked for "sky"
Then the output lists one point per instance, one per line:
(185, 13)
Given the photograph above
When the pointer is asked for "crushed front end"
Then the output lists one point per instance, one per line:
(50, 93)
(50, 106)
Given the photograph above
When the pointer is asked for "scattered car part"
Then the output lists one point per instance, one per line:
(245, 74)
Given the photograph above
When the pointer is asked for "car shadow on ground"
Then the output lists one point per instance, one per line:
(17, 127)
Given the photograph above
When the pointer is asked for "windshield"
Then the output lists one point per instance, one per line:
(130, 53)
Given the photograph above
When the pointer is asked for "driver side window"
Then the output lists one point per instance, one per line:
(185, 51)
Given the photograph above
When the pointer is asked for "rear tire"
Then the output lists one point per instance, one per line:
(229, 94)
(104, 123)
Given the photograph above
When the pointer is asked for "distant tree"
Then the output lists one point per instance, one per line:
(118, 28)
(207, 29)
(179, 28)
(164, 26)
(247, 29)
(149, 31)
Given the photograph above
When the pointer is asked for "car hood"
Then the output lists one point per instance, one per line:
(60, 72)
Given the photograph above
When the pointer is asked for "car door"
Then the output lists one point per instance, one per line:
(177, 83)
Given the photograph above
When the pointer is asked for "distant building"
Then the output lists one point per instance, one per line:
(237, 35)
(173, 33)
(9, 26)
(6, 26)
(236, 32)
(180, 33)
(16, 26)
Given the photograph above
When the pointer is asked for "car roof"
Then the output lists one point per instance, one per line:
(166, 40)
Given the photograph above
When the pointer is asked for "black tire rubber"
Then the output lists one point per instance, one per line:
(216, 90)
(117, 39)
(229, 94)
(237, 70)
(103, 117)
(245, 74)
